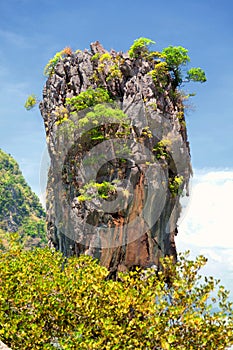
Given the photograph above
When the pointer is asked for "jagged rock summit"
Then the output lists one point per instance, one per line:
(119, 154)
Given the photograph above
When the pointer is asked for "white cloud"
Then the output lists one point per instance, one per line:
(208, 218)
(206, 226)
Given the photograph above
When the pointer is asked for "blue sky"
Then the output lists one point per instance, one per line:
(31, 32)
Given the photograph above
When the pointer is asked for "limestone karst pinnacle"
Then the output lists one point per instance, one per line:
(118, 164)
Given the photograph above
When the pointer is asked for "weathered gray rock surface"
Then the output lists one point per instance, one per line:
(136, 225)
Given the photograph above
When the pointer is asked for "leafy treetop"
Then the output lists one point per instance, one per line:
(175, 57)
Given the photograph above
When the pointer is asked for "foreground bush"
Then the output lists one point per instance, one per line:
(47, 302)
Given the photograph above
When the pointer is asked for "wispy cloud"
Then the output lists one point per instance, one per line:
(15, 39)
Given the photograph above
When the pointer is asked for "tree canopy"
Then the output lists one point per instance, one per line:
(50, 302)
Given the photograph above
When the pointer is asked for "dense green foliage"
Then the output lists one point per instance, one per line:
(175, 56)
(140, 47)
(102, 113)
(196, 74)
(88, 98)
(175, 185)
(49, 302)
(160, 76)
(20, 209)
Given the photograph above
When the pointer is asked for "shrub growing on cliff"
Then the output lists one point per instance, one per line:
(88, 98)
(162, 149)
(140, 47)
(176, 57)
(49, 302)
(49, 68)
(101, 121)
(175, 185)
(170, 60)
(96, 190)
(30, 102)
(160, 76)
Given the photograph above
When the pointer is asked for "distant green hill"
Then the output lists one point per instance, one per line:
(20, 208)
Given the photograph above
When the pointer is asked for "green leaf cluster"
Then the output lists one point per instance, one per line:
(162, 149)
(49, 302)
(105, 121)
(175, 56)
(160, 75)
(88, 98)
(175, 185)
(62, 114)
(105, 114)
(196, 74)
(94, 189)
(108, 64)
(140, 47)
(105, 57)
(30, 102)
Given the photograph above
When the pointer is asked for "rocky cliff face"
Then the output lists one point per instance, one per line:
(119, 157)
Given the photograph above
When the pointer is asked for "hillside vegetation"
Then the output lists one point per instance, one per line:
(20, 208)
